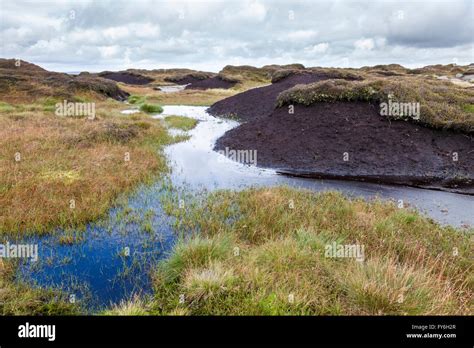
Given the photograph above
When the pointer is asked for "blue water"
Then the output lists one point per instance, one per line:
(113, 258)
(97, 271)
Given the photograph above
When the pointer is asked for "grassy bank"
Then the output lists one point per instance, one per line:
(66, 171)
(263, 252)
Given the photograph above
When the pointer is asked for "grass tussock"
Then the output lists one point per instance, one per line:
(181, 122)
(136, 99)
(442, 104)
(134, 306)
(66, 171)
(151, 108)
(262, 252)
(141, 102)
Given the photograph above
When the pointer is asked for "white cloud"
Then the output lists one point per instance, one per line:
(257, 11)
(109, 51)
(146, 30)
(253, 11)
(132, 30)
(364, 44)
(213, 33)
(301, 35)
(319, 48)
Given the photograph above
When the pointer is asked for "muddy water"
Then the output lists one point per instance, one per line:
(113, 258)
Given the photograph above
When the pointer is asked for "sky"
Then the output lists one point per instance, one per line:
(207, 35)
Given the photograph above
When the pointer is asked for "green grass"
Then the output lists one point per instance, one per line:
(249, 253)
(181, 122)
(151, 108)
(148, 108)
(17, 298)
(5, 107)
(49, 103)
(468, 108)
(136, 99)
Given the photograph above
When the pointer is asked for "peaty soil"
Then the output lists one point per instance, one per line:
(260, 101)
(212, 82)
(126, 77)
(316, 140)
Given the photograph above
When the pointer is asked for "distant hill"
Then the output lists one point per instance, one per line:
(21, 81)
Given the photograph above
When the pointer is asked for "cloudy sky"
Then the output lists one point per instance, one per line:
(113, 35)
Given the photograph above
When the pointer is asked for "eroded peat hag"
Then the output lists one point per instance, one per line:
(352, 141)
(260, 101)
(126, 77)
(213, 82)
(344, 130)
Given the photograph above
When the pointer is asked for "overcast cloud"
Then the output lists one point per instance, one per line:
(207, 35)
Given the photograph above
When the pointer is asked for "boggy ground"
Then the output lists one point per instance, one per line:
(264, 252)
(348, 139)
(250, 266)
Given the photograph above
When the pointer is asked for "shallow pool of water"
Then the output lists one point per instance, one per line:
(172, 88)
